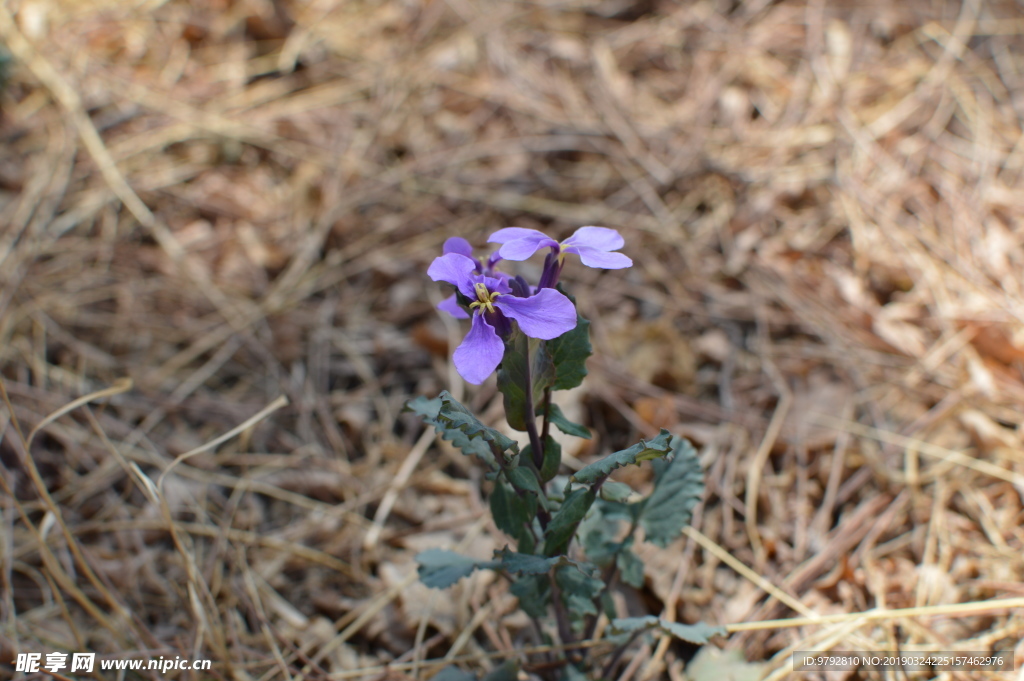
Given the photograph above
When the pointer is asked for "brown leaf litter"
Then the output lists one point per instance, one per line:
(233, 201)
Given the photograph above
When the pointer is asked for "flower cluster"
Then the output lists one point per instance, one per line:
(493, 299)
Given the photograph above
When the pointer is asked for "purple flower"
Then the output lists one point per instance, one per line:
(545, 315)
(457, 244)
(594, 245)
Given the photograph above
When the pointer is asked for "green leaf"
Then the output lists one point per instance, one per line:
(564, 522)
(569, 354)
(571, 673)
(556, 417)
(678, 486)
(506, 672)
(512, 375)
(608, 606)
(457, 424)
(631, 568)
(642, 451)
(597, 536)
(551, 462)
(526, 543)
(513, 514)
(552, 459)
(580, 592)
(455, 415)
(615, 491)
(526, 564)
(429, 410)
(452, 673)
(439, 569)
(534, 594)
(616, 510)
(697, 634)
(523, 479)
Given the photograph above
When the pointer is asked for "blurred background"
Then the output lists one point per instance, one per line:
(230, 202)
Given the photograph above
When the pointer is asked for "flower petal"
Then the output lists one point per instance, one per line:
(491, 263)
(520, 243)
(457, 244)
(452, 307)
(454, 269)
(546, 315)
(593, 257)
(521, 249)
(494, 284)
(601, 238)
(506, 234)
(480, 352)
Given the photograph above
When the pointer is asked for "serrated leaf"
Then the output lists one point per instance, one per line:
(644, 450)
(457, 424)
(597, 537)
(455, 415)
(631, 568)
(527, 564)
(439, 569)
(453, 673)
(579, 592)
(513, 513)
(512, 375)
(698, 634)
(534, 594)
(569, 354)
(678, 487)
(429, 410)
(556, 417)
(616, 510)
(566, 519)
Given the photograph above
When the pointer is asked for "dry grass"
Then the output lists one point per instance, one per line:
(234, 201)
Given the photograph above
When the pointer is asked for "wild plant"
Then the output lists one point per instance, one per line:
(573, 533)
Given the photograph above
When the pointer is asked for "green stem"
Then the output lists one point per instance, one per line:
(531, 429)
(530, 418)
(546, 407)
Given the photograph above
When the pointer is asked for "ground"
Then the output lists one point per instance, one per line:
(215, 222)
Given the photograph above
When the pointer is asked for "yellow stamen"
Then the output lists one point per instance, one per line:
(485, 298)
